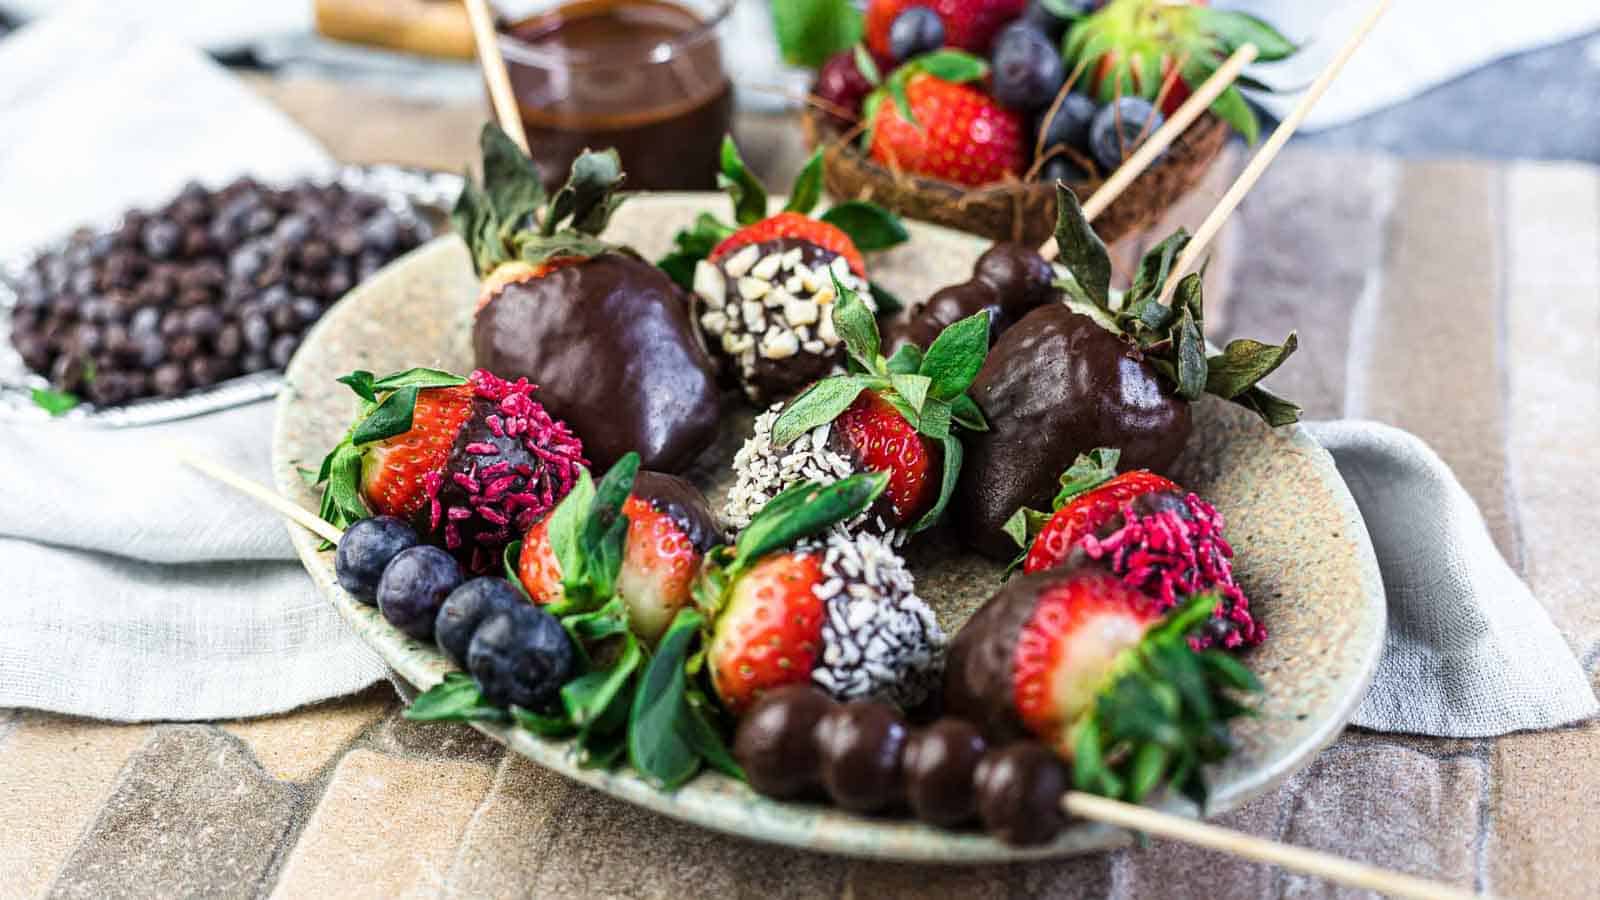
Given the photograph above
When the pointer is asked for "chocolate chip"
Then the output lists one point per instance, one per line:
(168, 379)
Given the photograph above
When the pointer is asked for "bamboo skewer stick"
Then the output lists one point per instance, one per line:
(1076, 803)
(1162, 137)
(494, 72)
(264, 495)
(1297, 859)
(1269, 150)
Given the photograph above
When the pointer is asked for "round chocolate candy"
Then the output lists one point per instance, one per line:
(940, 763)
(859, 745)
(776, 741)
(1023, 279)
(1019, 793)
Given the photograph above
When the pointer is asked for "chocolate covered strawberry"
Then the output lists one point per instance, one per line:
(605, 335)
(669, 529)
(1092, 667)
(1153, 534)
(895, 416)
(764, 287)
(471, 462)
(1101, 370)
(929, 119)
(795, 601)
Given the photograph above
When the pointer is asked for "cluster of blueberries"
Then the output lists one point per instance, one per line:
(518, 653)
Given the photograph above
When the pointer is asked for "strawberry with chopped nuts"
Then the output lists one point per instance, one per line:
(471, 462)
(897, 416)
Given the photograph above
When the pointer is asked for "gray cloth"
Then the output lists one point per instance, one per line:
(1469, 651)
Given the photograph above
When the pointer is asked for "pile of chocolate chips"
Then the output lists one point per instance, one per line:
(212, 285)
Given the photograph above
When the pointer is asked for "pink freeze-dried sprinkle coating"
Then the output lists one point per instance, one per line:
(1169, 557)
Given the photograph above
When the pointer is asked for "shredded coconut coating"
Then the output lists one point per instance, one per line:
(879, 639)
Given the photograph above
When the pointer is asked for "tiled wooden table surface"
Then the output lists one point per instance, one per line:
(1458, 300)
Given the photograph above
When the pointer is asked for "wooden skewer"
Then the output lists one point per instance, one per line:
(494, 72)
(1162, 137)
(291, 511)
(1296, 859)
(1247, 179)
(1076, 803)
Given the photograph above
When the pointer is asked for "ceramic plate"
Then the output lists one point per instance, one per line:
(1302, 553)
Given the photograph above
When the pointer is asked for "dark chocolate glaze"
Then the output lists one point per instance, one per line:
(1008, 281)
(940, 762)
(1019, 793)
(977, 672)
(684, 502)
(860, 745)
(1054, 386)
(611, 347)
(776, 742)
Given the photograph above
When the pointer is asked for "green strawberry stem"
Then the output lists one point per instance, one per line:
(1163, 714)
(928, 389)
(1172, 337)
(1087, 472)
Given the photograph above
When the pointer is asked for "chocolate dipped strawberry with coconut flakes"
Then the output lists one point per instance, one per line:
(1099, 371)
(605, 335)
(896, 416)
(1153, 534)
(764, 287)
(471, 462)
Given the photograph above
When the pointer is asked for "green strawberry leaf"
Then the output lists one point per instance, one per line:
(509, 559)
(1149, 765)
(749, 195)
(391, 417)
(601, 538)
(533, 248)
(933, 420)
(545, 726)
(1231, 107)
(1154, 267)
(361, 382)
(662, 743)
(587, 697)
(810, 31)
(955, 356)
(341, 499)
(869, 226)
(805, 509)
(705, 737)
(947, 484)
(1191, 350)
(1274, 410)
(53, 402)
(589, 196)
(1023, 526)
(906, 360)
(511, 182)
(913, 389)
(1235, 29)
(692, 245)
(807, 188)
(964, 411)
(818, 404)
(1087, 472)
(856, 325)
(603, 748)
(1243, 363)
(565, 533)
(468, 217)
(956, 66)
(1082, 251)
(866, 65)
(417, 378)
(455, 699)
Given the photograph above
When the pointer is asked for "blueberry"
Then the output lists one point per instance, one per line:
(1043, 16)
(364, 551)
(915, 31)
(1027, 67)
(413, 587)
(1118, 128)
(1070, 124)
(520, 656)
(1062, 168)
(466, 608)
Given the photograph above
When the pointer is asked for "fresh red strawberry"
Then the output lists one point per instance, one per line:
(1150, 532)
(769, 630)
(881, 440)
(956, 132)
(1085, 513)
(1090, 666)
(670, 528)
(894, 416)
(470, 461)
(968, 24)
(793, 225)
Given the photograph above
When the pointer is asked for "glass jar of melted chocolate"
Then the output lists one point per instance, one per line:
(643, 76)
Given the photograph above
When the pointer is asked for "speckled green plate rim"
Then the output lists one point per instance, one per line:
(1327, 634)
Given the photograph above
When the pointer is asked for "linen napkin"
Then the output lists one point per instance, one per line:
(136, 589)
(1469, 651)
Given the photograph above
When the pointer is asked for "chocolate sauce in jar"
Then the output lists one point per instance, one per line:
(643, 76)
